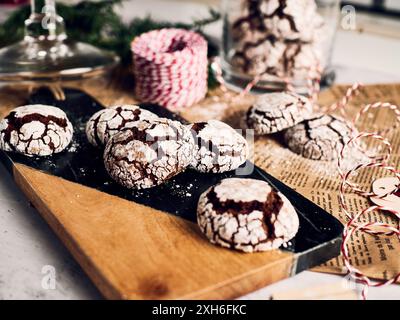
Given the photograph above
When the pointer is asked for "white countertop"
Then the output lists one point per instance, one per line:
(27, 244)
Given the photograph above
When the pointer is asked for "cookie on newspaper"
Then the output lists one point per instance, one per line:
(321, 137)
(274, 112)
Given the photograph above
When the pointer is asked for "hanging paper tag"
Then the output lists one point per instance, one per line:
(387, 192)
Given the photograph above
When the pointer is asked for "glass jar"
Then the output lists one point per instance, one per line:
(278, 43)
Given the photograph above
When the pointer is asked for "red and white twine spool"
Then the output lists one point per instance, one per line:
(377, 161)
(170, 67)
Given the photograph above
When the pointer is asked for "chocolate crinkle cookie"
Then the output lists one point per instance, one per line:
(149, 153)
(35, 130)
(278, 39)
(107, 122)
(246, 215)
(274, 112)
(218, 147)
(319, 138)
(290, 19)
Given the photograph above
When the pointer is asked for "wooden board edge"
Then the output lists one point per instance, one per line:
(106, 288)
(248, 282)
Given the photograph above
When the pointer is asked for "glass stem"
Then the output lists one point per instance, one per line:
(38, 5)
(44, 23)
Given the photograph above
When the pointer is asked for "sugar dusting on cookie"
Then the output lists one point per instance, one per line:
(246, 215)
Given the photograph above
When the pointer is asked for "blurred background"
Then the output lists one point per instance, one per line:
(370, 47)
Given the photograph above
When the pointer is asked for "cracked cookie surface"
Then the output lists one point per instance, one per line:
(319, 138)
(276, 39)
(149, 153)
(218, 147)
(247, 215)
(285, 19)
(290, 19)
(274, 112)
(107, 122)
(35, 130)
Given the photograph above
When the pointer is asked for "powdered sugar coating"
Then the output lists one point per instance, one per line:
(299, 61)
(39, 130)
(274, 112)
(149, 153)
(275, 60)
(258, 58)
(289, 19)
(247, 215)
(219, 148)
(107, 122)
(278, 39)
(320, 137)
(284, 19)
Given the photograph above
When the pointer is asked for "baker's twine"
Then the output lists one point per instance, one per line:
(376, 161)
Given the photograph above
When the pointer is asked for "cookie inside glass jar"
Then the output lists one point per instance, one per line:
(277, 41)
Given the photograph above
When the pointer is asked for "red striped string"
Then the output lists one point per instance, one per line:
(170, 67)
(377, 161)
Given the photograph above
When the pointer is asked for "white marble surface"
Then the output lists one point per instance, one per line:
(27, 243)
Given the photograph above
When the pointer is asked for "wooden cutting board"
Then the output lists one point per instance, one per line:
(146, 244)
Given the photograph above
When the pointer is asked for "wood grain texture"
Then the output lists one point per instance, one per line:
(135, 252)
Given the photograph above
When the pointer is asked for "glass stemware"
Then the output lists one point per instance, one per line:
(46, 53)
